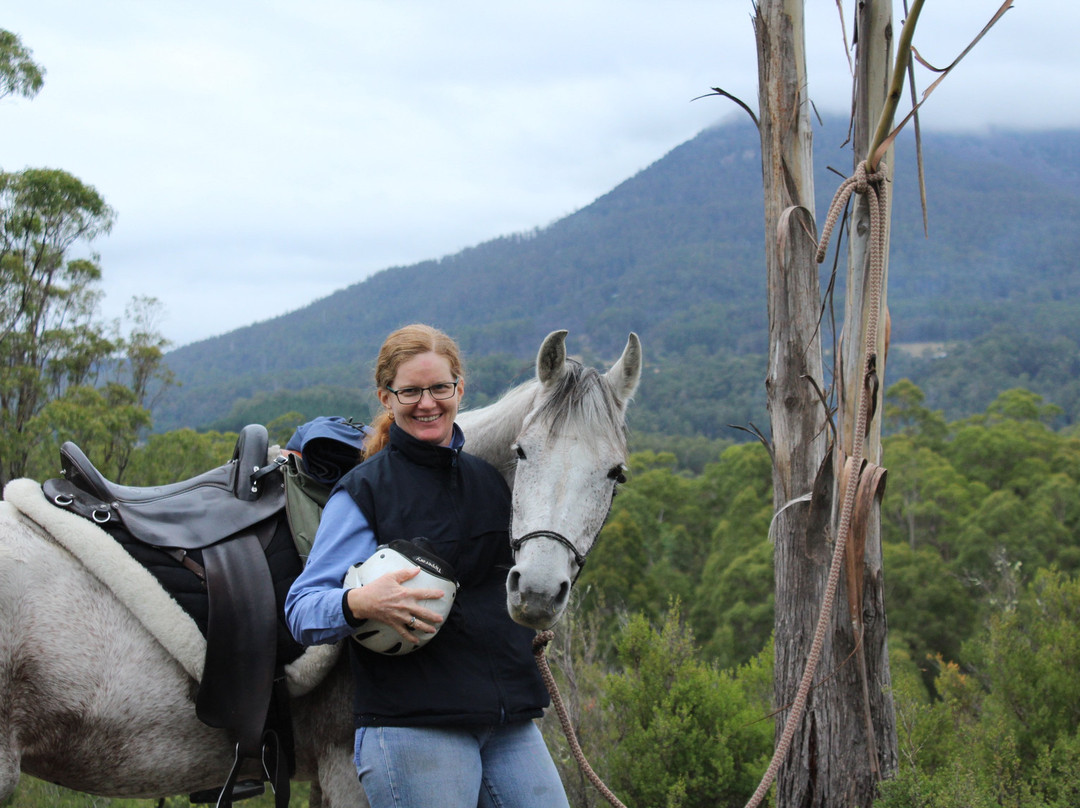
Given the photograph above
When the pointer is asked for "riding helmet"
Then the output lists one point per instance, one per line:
(435, 573)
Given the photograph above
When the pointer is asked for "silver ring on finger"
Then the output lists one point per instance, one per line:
(412, 622)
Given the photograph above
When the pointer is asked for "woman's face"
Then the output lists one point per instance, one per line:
(428, 419)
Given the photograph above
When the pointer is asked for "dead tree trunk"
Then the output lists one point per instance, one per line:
(799, 432)
(833, 762)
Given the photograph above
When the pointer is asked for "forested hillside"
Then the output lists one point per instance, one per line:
(675, 253)
(665, 658)
(981, 536)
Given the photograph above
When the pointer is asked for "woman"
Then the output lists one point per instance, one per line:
(450, 724)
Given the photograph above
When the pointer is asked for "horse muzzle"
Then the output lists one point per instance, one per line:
(538, 586)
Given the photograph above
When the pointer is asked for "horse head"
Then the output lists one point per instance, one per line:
(571, 454)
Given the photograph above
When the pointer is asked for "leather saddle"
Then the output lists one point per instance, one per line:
(190, 514)
(229, 514)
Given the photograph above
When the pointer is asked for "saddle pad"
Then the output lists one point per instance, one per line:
(140, 592)
(190, 590)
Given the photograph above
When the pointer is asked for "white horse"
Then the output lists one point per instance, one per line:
(91, 699)
(563, 453)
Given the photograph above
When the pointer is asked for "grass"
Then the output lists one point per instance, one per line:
(34, 793)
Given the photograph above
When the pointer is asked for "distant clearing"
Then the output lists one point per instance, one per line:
(922, 350)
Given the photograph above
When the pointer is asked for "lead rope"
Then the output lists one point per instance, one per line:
(539, 644)
(873, 184)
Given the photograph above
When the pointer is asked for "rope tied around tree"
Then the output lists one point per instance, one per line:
(540, 642)
(873, 185)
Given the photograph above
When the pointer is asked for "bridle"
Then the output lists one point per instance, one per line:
(579, 557)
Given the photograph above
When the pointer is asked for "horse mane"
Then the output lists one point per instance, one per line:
(582, 396)
(581, 399)
(490, 430)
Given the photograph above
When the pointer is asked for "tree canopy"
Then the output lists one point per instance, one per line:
(19, 74)
(64, 373)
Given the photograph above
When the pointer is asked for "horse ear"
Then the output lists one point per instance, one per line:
(551, 360)
(626, 373)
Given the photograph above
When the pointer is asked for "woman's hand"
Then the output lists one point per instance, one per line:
(386, 599)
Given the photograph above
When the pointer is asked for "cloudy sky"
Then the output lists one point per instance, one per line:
(261, 155)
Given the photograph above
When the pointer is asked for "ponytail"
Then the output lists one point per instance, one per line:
(380, 433)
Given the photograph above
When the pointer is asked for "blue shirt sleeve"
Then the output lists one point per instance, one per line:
(313, 607)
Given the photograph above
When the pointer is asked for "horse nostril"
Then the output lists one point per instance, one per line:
(564, 593)
(513, 581)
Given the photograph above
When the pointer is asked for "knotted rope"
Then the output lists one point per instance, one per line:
(872, 184)
(539, 644)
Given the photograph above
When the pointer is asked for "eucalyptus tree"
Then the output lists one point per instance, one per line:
(847, 740)
(63, 372)
(50, 337)
(838, 735)
(19, 73)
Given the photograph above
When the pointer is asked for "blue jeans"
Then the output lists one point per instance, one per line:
(504, 766)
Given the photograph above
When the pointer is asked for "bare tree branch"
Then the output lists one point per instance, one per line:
(739, 101)
(906, 50)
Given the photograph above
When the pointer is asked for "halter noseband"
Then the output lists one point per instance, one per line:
(579, 557)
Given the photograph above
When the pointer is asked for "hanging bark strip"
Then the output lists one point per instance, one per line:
(884, 138)
(870, 479)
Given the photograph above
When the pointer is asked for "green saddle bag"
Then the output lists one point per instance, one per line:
(319, 453)
(305, 498)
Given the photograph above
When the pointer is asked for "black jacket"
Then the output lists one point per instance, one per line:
(479, 668)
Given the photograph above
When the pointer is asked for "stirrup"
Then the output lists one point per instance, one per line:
(233, 789)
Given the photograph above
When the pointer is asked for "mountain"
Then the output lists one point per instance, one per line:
(676, 254)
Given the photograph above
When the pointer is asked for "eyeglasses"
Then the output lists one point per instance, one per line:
(412, 395)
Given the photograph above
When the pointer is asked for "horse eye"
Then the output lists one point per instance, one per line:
(618, 474)
(518, 451)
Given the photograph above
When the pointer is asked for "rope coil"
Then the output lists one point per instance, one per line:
(872, 184)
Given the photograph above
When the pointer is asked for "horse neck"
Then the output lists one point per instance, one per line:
(490, 431)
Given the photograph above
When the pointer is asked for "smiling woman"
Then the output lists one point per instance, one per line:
(450, 723)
